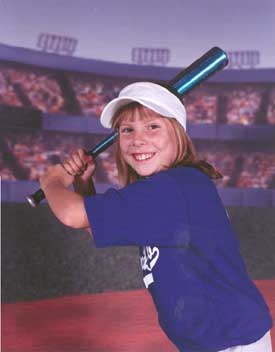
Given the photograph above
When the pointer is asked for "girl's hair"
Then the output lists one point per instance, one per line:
(186, 154)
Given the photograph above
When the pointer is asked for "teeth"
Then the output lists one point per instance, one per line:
(143, 156)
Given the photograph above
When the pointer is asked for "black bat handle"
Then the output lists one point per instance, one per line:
(35, 198)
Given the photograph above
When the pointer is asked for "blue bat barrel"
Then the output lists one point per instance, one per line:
(211, 62)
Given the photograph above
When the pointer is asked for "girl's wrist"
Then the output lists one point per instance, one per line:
(53, 184)
(84, 187)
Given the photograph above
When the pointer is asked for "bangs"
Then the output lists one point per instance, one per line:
(129, 111)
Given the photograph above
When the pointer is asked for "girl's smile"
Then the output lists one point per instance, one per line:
(143, 156)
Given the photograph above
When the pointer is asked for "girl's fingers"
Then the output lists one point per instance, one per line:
(84, 157)
(70, 169)
(78, 163)
(73, 167)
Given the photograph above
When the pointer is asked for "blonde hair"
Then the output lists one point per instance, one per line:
(186, 153)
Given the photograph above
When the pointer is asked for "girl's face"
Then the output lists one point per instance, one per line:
(147, 141)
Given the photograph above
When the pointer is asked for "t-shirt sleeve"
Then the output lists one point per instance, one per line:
(150, 211)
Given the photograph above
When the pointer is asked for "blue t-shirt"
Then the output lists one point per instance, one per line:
(189, 255)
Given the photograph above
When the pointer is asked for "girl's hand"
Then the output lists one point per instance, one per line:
(80, 165)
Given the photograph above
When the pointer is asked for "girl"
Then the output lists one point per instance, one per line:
(170, 208)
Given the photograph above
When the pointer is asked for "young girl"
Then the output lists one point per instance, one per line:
(170, 208)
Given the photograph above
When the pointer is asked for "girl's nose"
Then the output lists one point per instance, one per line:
(139, 138)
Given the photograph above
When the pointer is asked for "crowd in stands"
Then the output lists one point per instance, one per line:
(5, 170)
(258, 171)
(93, 94)
(201, 106)
(42, 89)
(34, 152)
(271, 108)
(243, 103)
(34, 88)
(7, 93)
(223, 161)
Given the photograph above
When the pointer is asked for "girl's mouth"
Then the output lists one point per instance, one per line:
(143, 156)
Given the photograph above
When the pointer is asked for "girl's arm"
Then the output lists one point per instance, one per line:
(68, 206)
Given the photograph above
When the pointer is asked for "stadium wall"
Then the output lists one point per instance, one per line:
(41, 258)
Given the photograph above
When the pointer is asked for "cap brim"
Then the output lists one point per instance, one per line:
(113, 106)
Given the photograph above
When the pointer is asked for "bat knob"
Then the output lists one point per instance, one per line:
(35, 198)
(31, 200)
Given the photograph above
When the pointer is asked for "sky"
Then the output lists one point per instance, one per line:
(109, 29)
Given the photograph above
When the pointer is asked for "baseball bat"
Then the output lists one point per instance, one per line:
(212, 61)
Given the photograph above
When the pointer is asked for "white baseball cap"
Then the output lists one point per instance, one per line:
(151, 95)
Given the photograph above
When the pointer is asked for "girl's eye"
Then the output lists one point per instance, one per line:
(153, 126)
(126, 130)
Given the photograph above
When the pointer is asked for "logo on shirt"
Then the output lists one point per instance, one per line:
(148, 260)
